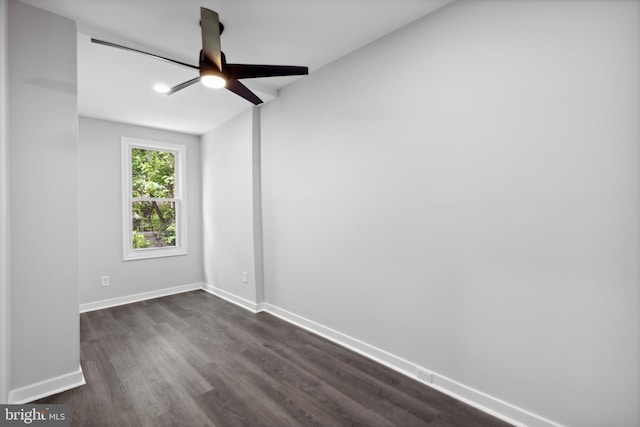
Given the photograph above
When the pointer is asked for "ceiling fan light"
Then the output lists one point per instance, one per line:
(213, 81)
(161, 88)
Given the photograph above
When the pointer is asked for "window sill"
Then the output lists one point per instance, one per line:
(154, 253)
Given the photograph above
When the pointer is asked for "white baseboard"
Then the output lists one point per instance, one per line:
(112, 302)
(397, 363)
(47, 388)
(489, 404)
(242, 302)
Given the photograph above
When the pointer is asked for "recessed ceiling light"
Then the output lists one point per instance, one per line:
(161, 88)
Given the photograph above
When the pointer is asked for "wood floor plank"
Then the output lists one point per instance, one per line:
(193, 359)
(245, 342)
(293, 372)
(87, 333)
(333, 372)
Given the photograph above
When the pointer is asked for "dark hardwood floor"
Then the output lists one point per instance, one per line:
(195, 360)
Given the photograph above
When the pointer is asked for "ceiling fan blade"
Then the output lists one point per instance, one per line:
(182, 86)
(162, 58)
(249, 71)
(240, 89)
(210, 26)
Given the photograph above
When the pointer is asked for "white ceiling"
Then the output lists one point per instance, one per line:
(117, 85)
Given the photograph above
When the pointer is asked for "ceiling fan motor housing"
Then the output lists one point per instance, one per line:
(208, 68)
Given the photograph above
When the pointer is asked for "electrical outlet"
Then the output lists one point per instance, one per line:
(105, 281)
(424, 375)
(245, 277)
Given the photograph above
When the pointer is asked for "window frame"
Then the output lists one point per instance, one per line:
(180, 199)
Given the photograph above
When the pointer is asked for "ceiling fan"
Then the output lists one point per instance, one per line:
(214, 70)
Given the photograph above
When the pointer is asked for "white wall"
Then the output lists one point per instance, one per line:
(101, 216)
(464, 194)
(43, 146)
(229, 207)
(4, 210)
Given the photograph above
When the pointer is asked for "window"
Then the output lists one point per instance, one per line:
(153, 199)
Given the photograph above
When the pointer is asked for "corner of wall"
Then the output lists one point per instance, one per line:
(257, 206)
(4, 218)
(55, 279)
(232, 215)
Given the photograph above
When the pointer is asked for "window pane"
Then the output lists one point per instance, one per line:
(153, 224)
(152, 173)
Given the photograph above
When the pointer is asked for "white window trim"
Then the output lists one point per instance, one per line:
(180, 151)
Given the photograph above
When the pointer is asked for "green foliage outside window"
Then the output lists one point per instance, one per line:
(153, 179)
(139, 242)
